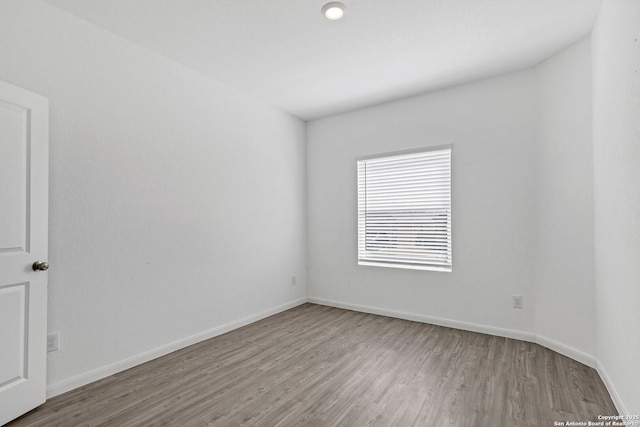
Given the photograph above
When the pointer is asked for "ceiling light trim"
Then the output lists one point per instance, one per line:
(333, 10)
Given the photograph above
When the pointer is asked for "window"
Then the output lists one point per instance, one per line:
(404, 210)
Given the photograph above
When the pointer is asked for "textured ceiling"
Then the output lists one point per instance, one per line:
(287, 54)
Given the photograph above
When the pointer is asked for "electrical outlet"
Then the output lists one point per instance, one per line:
(517, 301)
(53, 342)
(293, 280)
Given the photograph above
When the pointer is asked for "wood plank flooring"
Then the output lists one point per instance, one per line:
(321, 366)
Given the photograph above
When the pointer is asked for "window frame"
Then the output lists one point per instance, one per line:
(405, 264)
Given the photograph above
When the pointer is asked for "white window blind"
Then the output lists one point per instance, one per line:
(404, 210)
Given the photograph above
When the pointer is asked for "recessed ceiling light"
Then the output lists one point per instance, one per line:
(333, 10)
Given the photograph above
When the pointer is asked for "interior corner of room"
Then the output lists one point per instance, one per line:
(182, 208)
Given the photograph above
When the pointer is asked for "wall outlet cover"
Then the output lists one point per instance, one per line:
(53, 342)
(517, 301)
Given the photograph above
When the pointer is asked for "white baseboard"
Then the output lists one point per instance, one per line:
(102, 372)
(568, 351)
(456, 324)
(97, 374)
(622, 410)
(558, 347)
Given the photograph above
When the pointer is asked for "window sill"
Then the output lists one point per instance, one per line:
(405, 266)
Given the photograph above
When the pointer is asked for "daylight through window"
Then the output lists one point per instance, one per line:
(404, 210)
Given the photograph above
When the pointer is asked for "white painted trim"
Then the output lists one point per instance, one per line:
(97, 374)
(558, 347)
(622, 410)
(568, 351)
(102, 372)
(456, 324)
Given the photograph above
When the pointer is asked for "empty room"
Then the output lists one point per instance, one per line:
(314, 213)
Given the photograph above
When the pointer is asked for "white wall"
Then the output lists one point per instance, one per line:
(534, 153)
(491, 125)
(616, 141)
(154, 168)
(177, 204)
(564, 280)
(522, 205)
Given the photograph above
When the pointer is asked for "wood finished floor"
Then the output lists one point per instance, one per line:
(321, 366)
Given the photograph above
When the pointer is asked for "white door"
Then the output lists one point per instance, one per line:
(24, 171)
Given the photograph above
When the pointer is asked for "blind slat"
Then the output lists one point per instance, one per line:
(404, 209)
